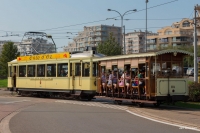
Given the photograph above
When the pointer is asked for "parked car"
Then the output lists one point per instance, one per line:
(185, 70)
(190, 71)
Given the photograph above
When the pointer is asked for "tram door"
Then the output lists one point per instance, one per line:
(75, 76)
(13, 74)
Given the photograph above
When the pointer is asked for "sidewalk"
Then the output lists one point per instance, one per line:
(180, 116)
(5, 92)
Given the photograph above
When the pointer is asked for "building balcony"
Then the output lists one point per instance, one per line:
(130, 41)
(163, 41)
(151, 42)
(179, 40)
(129, 45)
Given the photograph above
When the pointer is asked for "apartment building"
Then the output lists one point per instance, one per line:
(92, 36)
(36, 46)
(178, 34)
(135, 42)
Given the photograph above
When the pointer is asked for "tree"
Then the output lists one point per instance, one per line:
(109, 47)
(9, 53)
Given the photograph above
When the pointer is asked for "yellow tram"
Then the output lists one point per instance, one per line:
(54, 74)
(79, 75)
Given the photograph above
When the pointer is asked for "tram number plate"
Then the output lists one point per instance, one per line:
(172, 86)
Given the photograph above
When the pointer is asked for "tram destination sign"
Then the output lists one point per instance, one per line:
(44, 57)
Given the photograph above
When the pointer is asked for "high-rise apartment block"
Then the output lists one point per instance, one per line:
(134, 42)
(92, 36)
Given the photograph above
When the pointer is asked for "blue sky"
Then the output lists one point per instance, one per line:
(20, 16)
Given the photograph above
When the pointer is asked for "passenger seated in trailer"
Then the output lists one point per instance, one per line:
(114, 79)
(135, 81)
(121, 82)
(141, 82)
(103, 82)
(127, 78)
(109, 79)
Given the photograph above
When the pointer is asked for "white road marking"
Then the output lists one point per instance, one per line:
(125, 108)
(181, 126)
(14, 102)
(95, 104)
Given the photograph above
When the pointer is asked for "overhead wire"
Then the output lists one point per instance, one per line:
(105, 19)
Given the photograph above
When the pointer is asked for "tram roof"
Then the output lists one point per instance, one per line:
(146, 54)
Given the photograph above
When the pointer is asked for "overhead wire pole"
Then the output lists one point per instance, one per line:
(195, 47)
(146, 28)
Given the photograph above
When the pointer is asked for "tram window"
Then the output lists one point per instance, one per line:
(51, 70)
(31, 71)
(22, 71)
(176, 69)
(78, 69)
(95, 69)
(155, 68)
(103, 69)
(86, 69)
(147, 69)
(62, 70)
(166, 67)
(114, 67)
(41, 70)
(70, 69)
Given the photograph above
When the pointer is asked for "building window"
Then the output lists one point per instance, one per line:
(164, 45)
(186, 24)
(168, 32)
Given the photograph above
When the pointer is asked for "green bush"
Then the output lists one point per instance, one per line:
(194, 92)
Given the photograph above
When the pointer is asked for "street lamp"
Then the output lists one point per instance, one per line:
(146, 28)
(134, 10)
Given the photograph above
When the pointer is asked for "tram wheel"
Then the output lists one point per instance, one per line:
(89, 99)
(140, 104)
(118, 102)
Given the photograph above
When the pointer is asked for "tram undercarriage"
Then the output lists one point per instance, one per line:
(56, 93)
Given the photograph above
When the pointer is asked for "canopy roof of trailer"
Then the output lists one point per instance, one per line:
(173, 51)
(146, 54)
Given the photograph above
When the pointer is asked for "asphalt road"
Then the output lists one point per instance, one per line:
(64, 116)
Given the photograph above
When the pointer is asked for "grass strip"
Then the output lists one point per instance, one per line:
(3, 83)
